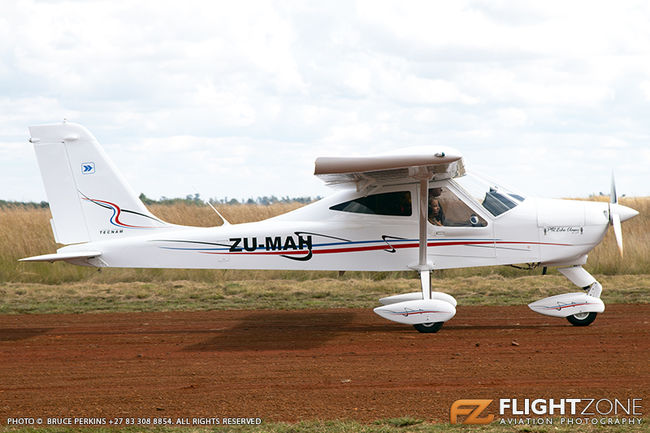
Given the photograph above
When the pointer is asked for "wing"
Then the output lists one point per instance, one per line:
(416, 165)
(363, 171)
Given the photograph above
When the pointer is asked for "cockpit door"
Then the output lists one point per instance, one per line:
(460, 233)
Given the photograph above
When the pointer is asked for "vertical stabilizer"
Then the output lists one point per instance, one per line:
(89, 199)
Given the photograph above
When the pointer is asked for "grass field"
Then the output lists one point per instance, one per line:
(26, 232)
(283, 294)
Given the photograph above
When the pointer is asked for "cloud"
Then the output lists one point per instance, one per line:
(198, 93)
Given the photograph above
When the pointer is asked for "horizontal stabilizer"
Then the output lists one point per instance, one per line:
(63, 256)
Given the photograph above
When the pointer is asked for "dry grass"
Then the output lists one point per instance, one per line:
(26, 232)
(282, 294)
(203, 216)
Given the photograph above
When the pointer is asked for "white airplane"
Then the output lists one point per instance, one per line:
(415, 210)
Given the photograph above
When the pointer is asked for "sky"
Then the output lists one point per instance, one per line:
(237, 99)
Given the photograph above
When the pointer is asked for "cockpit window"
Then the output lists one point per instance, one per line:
(389, 203)
(495, 198)
(446, 209)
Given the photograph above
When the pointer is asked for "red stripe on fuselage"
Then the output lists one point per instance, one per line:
(378, 247)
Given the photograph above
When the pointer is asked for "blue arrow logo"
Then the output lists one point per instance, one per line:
(87, 167)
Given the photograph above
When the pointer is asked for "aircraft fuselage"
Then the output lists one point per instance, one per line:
(317, 238)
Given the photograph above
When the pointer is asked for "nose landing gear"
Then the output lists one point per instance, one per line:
(579, 308)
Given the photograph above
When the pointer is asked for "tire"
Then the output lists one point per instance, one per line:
(429, 328)
(582, 319)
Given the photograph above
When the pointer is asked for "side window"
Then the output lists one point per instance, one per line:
(390, 203)
(446, 209)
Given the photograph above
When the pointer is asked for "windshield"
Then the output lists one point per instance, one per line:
(497, 199)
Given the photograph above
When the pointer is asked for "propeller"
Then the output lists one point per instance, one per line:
(617, 214)
(615, 217)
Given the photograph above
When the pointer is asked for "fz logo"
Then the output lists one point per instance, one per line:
(473, 409)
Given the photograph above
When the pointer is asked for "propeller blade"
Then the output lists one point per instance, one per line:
(615, 217)
(616, 222)
(618, 213)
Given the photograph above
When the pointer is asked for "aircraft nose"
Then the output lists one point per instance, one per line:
(625, 212)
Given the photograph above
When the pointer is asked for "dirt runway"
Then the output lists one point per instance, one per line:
(311, 364)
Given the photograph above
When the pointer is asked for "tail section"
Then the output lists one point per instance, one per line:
(89, 199)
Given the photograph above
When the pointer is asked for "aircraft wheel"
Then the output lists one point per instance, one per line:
(429, 328)
(581, 319)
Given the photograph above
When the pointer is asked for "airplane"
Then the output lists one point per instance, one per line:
(416, 209)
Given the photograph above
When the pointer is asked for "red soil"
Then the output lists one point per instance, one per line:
(311, 364)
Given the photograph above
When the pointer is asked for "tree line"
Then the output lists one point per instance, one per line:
(191, 199)
(195, 199)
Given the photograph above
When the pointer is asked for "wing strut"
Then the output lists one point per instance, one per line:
(423, 266)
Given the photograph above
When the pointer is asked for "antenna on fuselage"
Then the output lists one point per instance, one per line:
(225, 221)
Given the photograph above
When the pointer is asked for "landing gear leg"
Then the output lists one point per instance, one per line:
(422, 311)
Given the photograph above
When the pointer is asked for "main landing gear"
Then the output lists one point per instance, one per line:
(582, 319)
(429, 328)
(427, 316)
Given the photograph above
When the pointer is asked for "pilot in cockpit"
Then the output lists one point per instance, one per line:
(436, 214)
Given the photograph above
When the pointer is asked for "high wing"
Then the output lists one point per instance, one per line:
(411, 165)
(361, 172)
